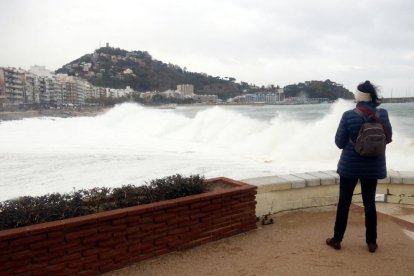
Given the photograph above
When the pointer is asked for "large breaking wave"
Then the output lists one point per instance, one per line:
(132, 144)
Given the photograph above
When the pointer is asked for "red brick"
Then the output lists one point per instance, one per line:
(164, 228)
(136, 236)
(80, 234)
(26, 254)
(164, 217)
(132, 218)
(189, 223)
(83, 261)
(30, 267)
(110, 267)
(147, 227)
(91, 265)
(119, 221)
(242, 205)
(165, 240)
(220, 230)
(90, 272)
(200, 204)
(120, 234)
(90, 252)
(211, 207)
(27, 240)
(66, 258)
(175, 244)
(132, 229)
(73, 270)
(54, 269)
(55, 234)
(177, 230)
(111, 215)
(240, 195)
(108, 254)
(79, 249)
(4, 244)
(48, 256)
(14, 264)
(152, 249)
(139, 247)
(112, 228)
(190, 212)
(178, 209)
(152, 214)
(164, 251)
(110, 243)
(89, 240)
(4, 258)
(46, 243)
(64, 246)
(103, 236)
(211, 220)
(152, 237)
(198, 216)
(122, 257)
(146, 219)
(178, 220)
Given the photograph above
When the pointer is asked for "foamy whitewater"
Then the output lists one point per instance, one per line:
(131, 144)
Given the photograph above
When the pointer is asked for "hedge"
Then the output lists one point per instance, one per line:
(28, 210)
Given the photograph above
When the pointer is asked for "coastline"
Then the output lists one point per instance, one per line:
(61, 113)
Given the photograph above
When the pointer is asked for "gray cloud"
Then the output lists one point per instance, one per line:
(262, 41)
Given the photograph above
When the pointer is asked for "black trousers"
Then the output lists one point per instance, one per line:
(346, 190)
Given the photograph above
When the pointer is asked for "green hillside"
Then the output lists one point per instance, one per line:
(117, 68)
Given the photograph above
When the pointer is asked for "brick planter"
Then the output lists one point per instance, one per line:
(106, 241)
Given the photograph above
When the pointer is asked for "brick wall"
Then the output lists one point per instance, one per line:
(110, 240)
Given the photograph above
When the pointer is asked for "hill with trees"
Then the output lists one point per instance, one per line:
(318, 89)
(117, 68)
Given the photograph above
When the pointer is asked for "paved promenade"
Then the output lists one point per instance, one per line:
(295, 245)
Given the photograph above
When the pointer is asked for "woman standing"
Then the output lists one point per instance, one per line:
(353, 167)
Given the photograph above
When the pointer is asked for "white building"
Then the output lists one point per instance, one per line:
(186, 89)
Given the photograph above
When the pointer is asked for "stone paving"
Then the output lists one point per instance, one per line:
(295, 245)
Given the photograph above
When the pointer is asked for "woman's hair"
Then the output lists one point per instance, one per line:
(368, 87)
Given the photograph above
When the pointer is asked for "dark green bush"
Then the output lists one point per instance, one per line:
(29, 210)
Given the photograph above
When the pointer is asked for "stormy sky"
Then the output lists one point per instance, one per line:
(258, 41)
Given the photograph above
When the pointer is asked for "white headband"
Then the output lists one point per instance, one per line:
(362, 97)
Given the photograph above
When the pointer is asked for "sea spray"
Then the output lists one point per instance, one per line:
(131, 144)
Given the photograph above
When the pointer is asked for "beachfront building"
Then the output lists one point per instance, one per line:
(41, 88)
(12, 86)
(266, 98)
(211, 99)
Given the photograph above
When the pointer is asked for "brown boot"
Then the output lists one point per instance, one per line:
(333, 243)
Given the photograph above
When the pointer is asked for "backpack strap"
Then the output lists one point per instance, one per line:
(363, 109)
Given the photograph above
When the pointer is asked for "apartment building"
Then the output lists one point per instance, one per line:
(12, 86)
(186, 89)
(40, 87)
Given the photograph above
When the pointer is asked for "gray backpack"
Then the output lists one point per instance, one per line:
(372, 139)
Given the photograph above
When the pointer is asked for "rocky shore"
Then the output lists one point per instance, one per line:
(62, 113)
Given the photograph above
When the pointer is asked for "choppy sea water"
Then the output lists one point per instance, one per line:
(131, 144)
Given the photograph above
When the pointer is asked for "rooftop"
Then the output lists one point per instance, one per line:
(295, 245)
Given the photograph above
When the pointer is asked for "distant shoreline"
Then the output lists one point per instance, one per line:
(61, 113)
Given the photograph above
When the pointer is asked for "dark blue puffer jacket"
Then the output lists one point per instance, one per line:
(351, 164)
